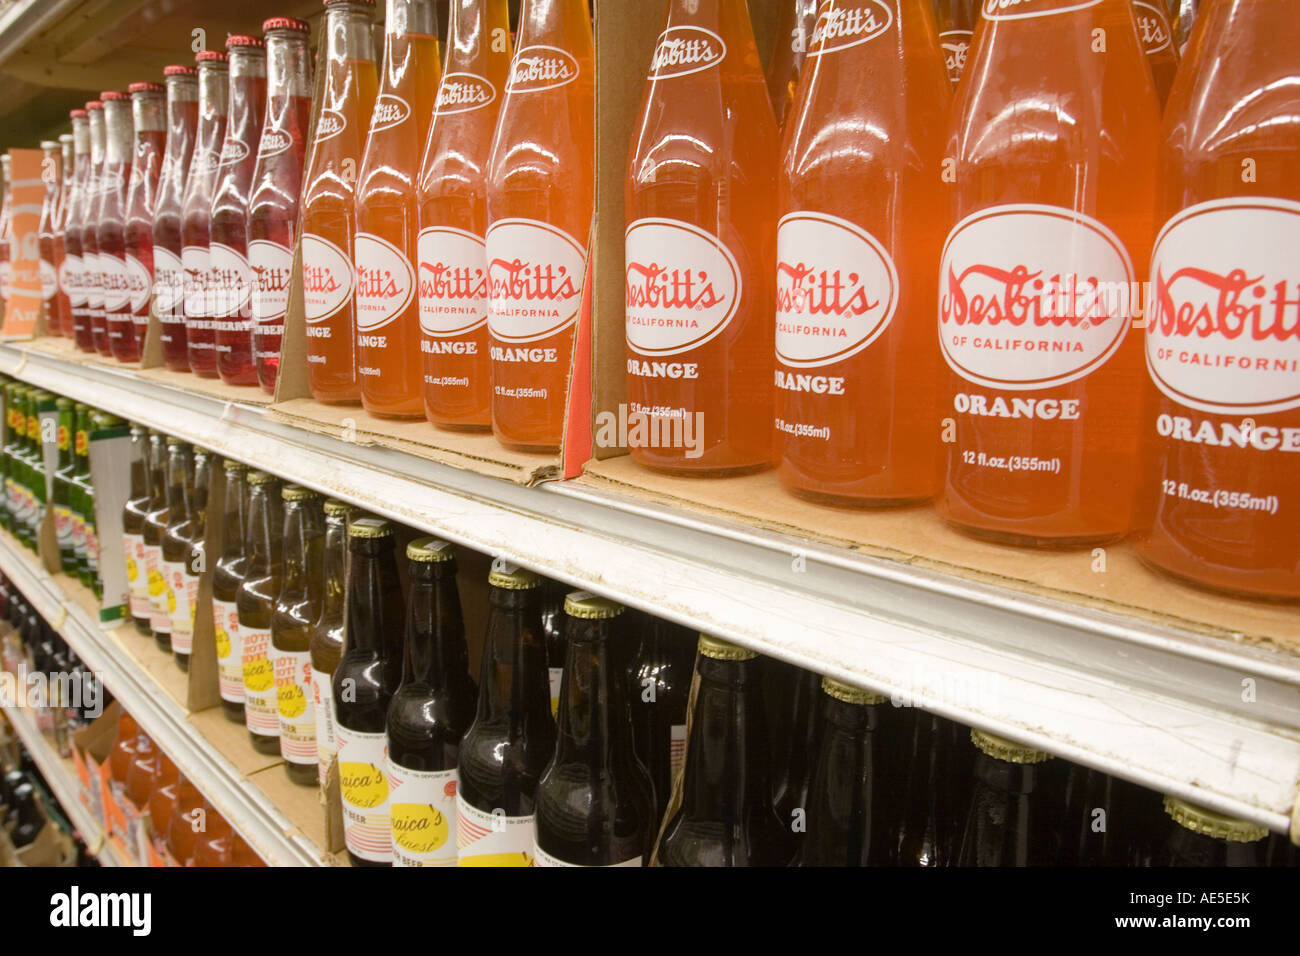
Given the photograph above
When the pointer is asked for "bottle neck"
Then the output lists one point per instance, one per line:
(234, 519)
(147, 112)
(265, 524)
(725, 777)
(68, 164)
(435, 630)
(513, 679)
(302, 549)
(178, 492)
(139, 467)
(471, 28)
(348, 38)
(65, 440)
(593, 728)
(410, 16)
(118, 130)
(198, 503)
(287, 70)
(542, 21)
(371, 576)
(157, 474)
(81, 140)
(214, 85)
(335, 564)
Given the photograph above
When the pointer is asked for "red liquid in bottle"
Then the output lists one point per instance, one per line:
(89, 220)
(52, 175)
(68, 165)
(196, 223)
(111, 234)
(168, 269)
(127, 328)
(277, 185)
(232, 280)
(452, 196)
(70, 277)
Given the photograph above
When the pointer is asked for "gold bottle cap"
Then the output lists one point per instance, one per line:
(108, 420)
(256, 477)
(512, 577)
(337, 509)
(430, 551)
(722, 651)
(296, 493)
(590, 607)
(370, 527)
(62, 403)
(850, 694)
(232, 467)
(1211, 824)
(999, 748)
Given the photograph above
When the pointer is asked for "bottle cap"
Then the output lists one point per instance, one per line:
(430, 550)
(111, 95)
(297, 493)
(179, 69)
(256, 477)
(146, 87)
(232, 467)
(1211, 824)
(999, 748)
(337, 509)
(107, 420)
(210, 56)
(512, 577)
(49, 144)
(76, 114)
(286, 23)
(174, 442)
(722, 651)
(364, 3)
(94, 105)
(62, 403)
(68, 137)
(850, 694)
(370, 527)
(243, 40)
(590, 607)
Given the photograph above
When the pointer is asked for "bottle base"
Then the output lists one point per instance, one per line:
(856, 502)
(714, 471)
(1034, 541)
(1201, 584)
(528, 449)
(336, 399)
(164, 641)
(305, 775)
(264, 744)
(234, 712)
(357, 861)
(182, 661)
(142, 625)
(461, 427)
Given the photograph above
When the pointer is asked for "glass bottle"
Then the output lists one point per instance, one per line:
(169, 213)
(328, 632)
(110, 215)
(192, 536)
(1203, 838)
(67, 144)
(196, 223)
(794, 35)
(175, 547)
(127, 327)
(63, 486)
(927, 827)
(91, 282)
(1011, 814)
(155, 525)
(52, 176)
(81, 500)
(956, 23)
(255, 605)
(133, 517)
(72, 278)
(188, 820)
(660, 687)
(227, 576)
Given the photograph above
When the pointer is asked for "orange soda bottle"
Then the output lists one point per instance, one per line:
(956, 22)
(860, 231)
(1054, 165)
(794, 33)
(451, 271)
(1220, 498)
(541, 187)
(1157, 36)
(700, 249)
(329, 200)
(384, 251)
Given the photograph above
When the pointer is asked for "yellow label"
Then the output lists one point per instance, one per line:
(156, 584)
(171, 601)
(290, 700)
(497, 859)
(132, 571)
(223, 642)
(418, 827)
(259, 675)
(363, 784)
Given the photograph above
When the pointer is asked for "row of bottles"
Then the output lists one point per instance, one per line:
(28, 807)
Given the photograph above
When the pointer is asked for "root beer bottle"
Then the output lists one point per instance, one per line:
(1011, 817)
(155, 526)
(133, 517)
(227, 576)
(660, 686)
(193, 535)
(506, 749)
(297, 607)
(430, 711)
(368, 672)
(1203, 838)
(168, 271)
(793, 768)
(255, 604)
(328, 630)
(928, 827)
(175, 548)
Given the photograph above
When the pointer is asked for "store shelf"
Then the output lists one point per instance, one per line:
(210, 751)
(61, 775)
(1169, 708)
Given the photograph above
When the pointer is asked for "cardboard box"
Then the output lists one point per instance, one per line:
(90, 748)
(110, 474)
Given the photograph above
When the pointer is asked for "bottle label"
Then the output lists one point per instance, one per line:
(555, 676)
(955, 45)
(1223, 334)
(295, 701)
(836, 289)
(681, 51)
(453, 281)
(137, 574)
(848, 25)
(1024, 9)
(49, 280)
(676, 750)
(492, 839)
(93, 281)
(323, 708)
(385, 284)
(168, 284)
(230, 651)
(390, 110)
(160, 618)
(115, 283)
(1153, 27)
(542, 858)
(463, 92)
(536, 68)
(272, 267)
(683, 287)
(326, 276)
(260, 711)
(535, 275)
(1031, 297)
(330, 124)
(194, 260)
(230, 281)
(273, 143)
(364, 789)
(178, 602)
(422, 811)
(138, 283)
(233, 151)
(63, 527)
(70, 280)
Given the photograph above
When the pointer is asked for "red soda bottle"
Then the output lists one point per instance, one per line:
(452, 193)
(168, 271)
(956, 30)
(70, 278)
(277, 184)
(541, 187)
(111, 227)
(68, 166)
(196, 221)
(52, 176)
(701, 201)
(232, 279)
(794, 35)
(1038, 275)
(329, 209)
(1219, 500)
(856, 413)
(91, 282)
(127, 329)
(6, 233)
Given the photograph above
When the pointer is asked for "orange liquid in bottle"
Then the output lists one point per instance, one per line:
(329, 203)
(1220, 496)
(956, 25)
(794, 33)
(389, 365)
(1054, 146)
(451, 271)
(860, 232)
(700, 249)
(1157, 36)
(541, 186)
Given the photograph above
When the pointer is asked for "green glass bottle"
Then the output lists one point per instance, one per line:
(63, 486)
(83, 515)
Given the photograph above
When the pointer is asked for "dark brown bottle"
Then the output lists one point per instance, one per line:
(595, 801)
(1203, 838)
(659, 690)
(327, 631)
(1092, 831)
(133, 515)
(368, 673)
(553, 593)
(255, 604)
(1011, 811)
(927, 834)
(175, 548)
(297, 607)
(430, 712)
(803, 720)
(28, 815)
(227, 576)
(507, 748)
(193, 535)
(726, 817)
(155, 525)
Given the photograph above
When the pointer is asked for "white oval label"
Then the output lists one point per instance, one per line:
(232, 151)
(168, 281)
(836, 289)
(49, 279)
(535, 275)
(453, 281)
(326, 278)
(683, 286)
(140, 282)
(274, 142)
(1023, 9)
(330, 124)
(684, 50)
(462, 92)
(230, 281)
(1223, 334)
(114, 283)
(390, 110)
(537, 68)
(272, 266)
(1032, 296)
(385, 281)
(955, 44)
(70, 280)
(1153, 27)
(194, 260)
(845, 25)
